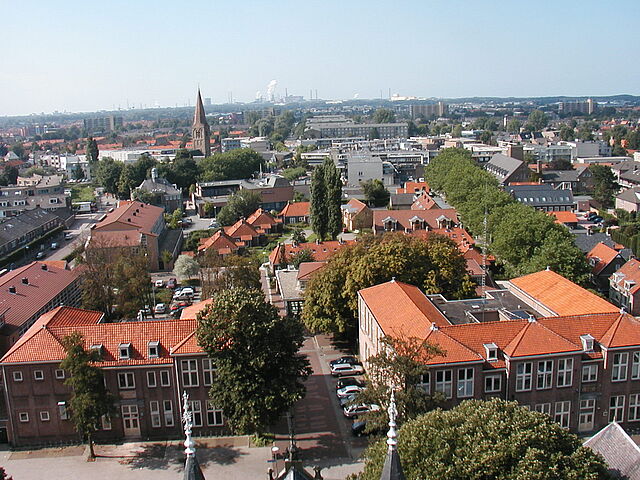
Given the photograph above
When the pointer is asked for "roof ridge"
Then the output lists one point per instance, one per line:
(515, 341)
(460, 343)
(613, 329)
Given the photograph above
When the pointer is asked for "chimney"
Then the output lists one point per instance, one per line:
(43, 266)
(25, 280)
(12, 289)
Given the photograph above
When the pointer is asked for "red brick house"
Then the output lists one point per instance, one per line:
(263, 221)
(356, 215)
(604, 261)
(243, 233)
(411, 220)
(582, 370)
(222, 243)
(281, 255)
(297, 212)
(147, 366)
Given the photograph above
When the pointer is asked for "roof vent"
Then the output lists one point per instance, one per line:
(532, 319)
(434, 327)
(12, 289)
(43, 266)
(25, 280)
(134, 214)
(128, 220)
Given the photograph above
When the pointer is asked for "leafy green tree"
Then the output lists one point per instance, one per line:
(186, 267)
(259, 372)
(78, 173)
(513, 125)
(384, 115)
(318, 208)
(92, 151)
(108, 174)
(219, 273)
(538, 120)
(605, 185)
(374, 133)
(90, 399)
(457, 131)
(12, 173)
(298, 236)
(302, 256)
(233, 165)
(376, 193)
(560, 164)
(294, 173)
(19, 150)
(567, 133)
(173, 219)
(333, 184)
(240, 204)
(435, 265)
(488, 440)
(127, 181)
(485, 137)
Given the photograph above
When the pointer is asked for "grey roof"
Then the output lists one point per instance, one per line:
(541, 195)
(503, 164)
(392, 469)
(401, 199)
(562, 175)
(586, 242)
(619, 451)
(192, 470)
(288, 282)
(159, 185)
(13, 228)
(630, 195)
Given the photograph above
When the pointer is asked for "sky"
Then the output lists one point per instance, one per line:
(79, 56)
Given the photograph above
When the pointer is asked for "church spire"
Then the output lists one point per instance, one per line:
(199, 118)
(192, 469)
(200, 131)
(392, 469)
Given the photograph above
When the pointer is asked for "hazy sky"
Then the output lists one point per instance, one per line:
(69, 55)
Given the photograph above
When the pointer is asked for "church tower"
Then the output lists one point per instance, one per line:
(200, 131)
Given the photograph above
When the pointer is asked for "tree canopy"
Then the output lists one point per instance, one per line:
(240, 204)
(233, 165)
(259, 372)
(326, 198)
(376, 193)
(487, 440)
(605, 185)
(384, 115)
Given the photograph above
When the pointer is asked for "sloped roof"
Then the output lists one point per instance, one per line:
(624, 332)
(536, 339)
(505, 163)
(414, 187)
(354, 206)
(321, 251)
(402, 217)
(297, 209)
(306, 270)
(131, 214)
(565, 217)
(219, 241)
(618, 449)
(261, 217)
(629, 272)
(424, 202)
(191, 312)
(242, 230)
(603, 255)
(560, 295)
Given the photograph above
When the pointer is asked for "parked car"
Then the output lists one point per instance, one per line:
(172, 283)
(54, 245)
(346, 381)
(176, 313)
(160, 308)
(179, 305)
(346, 369)
(67, 235)
(159, 283)
(184, 292)
(359, 427)
(348, 390)
(354, 410)
(347, 400)
(350, 359)
(40, 255)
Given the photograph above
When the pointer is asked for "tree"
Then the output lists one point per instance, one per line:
(485, 137)
(240, 204)
(12, 173)
(233, 165)
(513, 125)
(78, 173)
(457, 131)
(92, 151)
(488, 440)
(333, 184)
(538, 120)
(605, 185)
(294, 173)
(567, 133)
(560, 164)
(108, 174)
(90, 399)
(218, 273)
(259, 372)
(302, 256)
(318, 208)
(298, 236)
(127, 181)
(376, 193)
(384, 115)
(186, 267)
(173, 219)
(435, 265)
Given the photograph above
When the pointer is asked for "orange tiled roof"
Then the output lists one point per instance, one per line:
(261, 218)
(602, 255)
(564, 217)
(630, 273)
(414, 187)
(131, 215)
(298, 209)
(356, 205)
(190, 312)
(306, 270)
(424, 202)
(242, 230)
(321, 251)
(535, 339)
(219, 241)
(560, 295)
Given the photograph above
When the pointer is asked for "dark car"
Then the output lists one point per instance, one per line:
(172, 283)
(346, 400)
(346, 381)
(350, 359)
(359, 427)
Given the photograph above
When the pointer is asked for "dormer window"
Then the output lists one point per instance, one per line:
(587, 342)
(154, 349)
(628, 284)
(124, 351)
(97, 348)
(491, 350)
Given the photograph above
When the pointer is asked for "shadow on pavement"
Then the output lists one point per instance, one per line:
(160, 456)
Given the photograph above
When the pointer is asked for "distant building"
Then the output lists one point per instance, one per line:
(200, 131)
(26, 227)
(586, 107)
(45, 192)
(164, 194)
(507, 169)
(367, 130)
(356, 215)
(624, 286)
(629, 200)
(427, 111)
(102, 124)
(543, 197)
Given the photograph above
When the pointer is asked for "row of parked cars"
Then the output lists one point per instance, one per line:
(348, 387)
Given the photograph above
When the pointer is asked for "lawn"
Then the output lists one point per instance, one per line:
(82, 193)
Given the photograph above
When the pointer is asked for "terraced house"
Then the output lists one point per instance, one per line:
(147, 366)
(582, 368)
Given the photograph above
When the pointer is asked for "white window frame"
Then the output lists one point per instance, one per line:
(619, 365)
(196, 412)
(44, 416)
(587, 414)
(634, 408)
(167, 413)
(524, 376)
(208, 372)
(212, 413)
(124, 351)
(563, 413)
(424, 382)
(189, 369)
(105, 420)
(126, 384)
(616, 408)
(635, 365)
(590, 373)
(154, 349)
(543, 408)
(165, 375)
(544, 375)
(38, 375)
(444, 382)
(62, 411)
(60, 375)
(465, 383)
(154, 412)
(492, 383)
(17, 376)
(23, 417)
(151, 379)
(564, 374)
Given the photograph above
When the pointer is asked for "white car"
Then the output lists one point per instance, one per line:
(348, 390)
(159, 283)
(346, 369)
(185, 292)
(355, 410)
(160, 308)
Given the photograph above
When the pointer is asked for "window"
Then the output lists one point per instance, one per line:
(62, 410)
(106, 422)
(587, 341)
(189, 373)
(587, 414)
(196, 411)
(616, 408)
(165, 379)
(151, 379)
(634, 407)
(167, 408)
(214, 415)
(444, 382)
(125, 351)
(17, 376)
(491, 350)
(424, 382)
(523, 376)
(619, 370)
(154, 410)
(543, 408)
(545, 375)
(492, 383)
(44, 416)
(589, 373)
(465, 382)
(563, 412)
(635, 366)
(154, 349)
(208, 371)
(565, 372)
(60, 374)
(23, 416)
(38, 375)
(126, 380)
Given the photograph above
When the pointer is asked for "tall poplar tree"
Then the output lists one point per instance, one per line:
(92, 151)
(319, 218)
(334, 198)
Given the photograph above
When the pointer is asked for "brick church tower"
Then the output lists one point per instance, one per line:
(200, 131)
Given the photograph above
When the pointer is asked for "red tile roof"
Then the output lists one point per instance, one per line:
(219, 241)
(535, 339)
(629, 273)
(262, 219)
(297, 209)
(424, 202)
(241, 230)
(561, 296)
(564, 217)
(306, 270)
(321, 251)
(131, 215)
(190, 312)
(43, 286)
(414, 187)
(601, 255)
(403, 217)
(356, 205)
